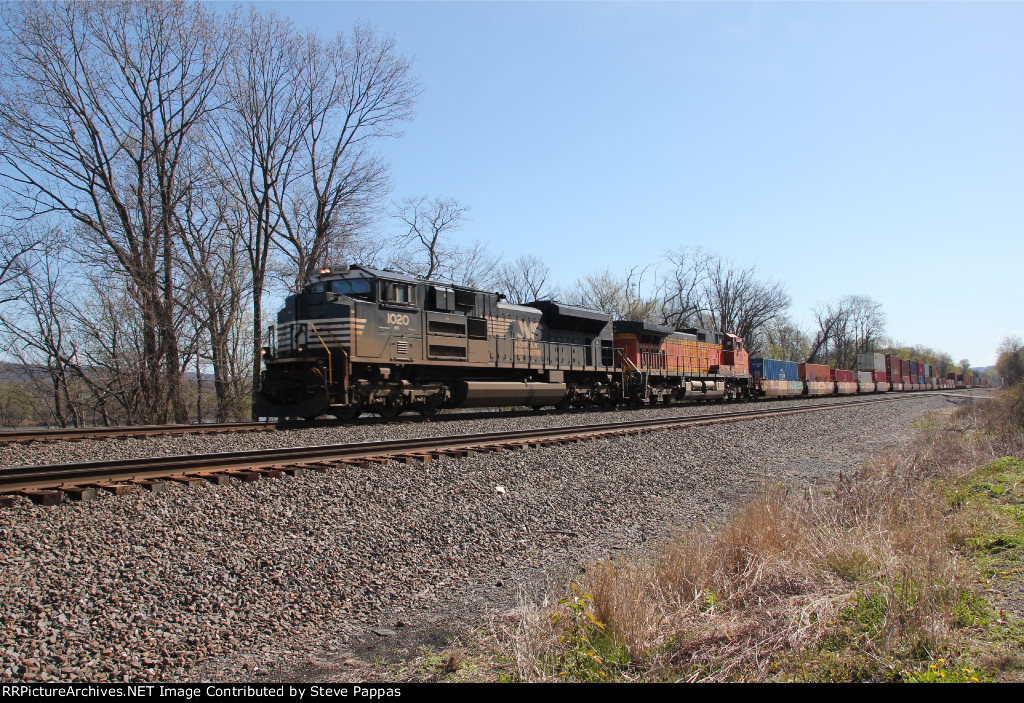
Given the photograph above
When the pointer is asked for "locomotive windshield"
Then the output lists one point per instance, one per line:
(353, 287)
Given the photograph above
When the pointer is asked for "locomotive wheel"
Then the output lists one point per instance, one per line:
(349, 413)
(388, 411)
(427, 409)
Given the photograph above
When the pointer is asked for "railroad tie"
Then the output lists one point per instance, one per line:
(214, 477)
(244, 476)
(118, 489)
(43, 497)
(78, 493)
(299, 469)
(190, 481)
(454, 453)
(410, 458)
(358, 463)
(151, 485)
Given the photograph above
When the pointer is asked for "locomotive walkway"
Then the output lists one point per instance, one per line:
(52, 484)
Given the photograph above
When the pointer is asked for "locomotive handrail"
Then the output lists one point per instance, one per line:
(330, 368)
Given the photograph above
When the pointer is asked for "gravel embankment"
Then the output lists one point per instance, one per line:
(225, 582)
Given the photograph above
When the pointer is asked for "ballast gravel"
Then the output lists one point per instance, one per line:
(368, 429)
(247, 581)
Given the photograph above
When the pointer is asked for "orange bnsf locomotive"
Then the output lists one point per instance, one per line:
(359, 339)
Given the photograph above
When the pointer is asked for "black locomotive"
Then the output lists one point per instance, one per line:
(359, 339)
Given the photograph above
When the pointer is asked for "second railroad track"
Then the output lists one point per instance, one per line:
(55, 483)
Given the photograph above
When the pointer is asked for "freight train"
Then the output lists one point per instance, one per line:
(359, 339)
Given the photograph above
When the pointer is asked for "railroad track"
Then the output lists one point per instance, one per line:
(70, 434)
(64, 434)
(55, 483)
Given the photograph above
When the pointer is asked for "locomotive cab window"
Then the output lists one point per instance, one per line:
(400, 293)
(353, 288)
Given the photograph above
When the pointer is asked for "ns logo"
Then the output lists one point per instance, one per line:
(527, 329)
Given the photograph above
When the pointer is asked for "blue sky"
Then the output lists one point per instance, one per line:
(844, 148)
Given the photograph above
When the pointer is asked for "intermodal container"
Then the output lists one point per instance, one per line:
(871, 362)
(904, 368)
(867, 376)
(914, 369)
(842, 376)
(814, 372)
(879, 377)
(774, 370)
(892, 365)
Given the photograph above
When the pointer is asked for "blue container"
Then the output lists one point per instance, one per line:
(774, 370)
(913, 369)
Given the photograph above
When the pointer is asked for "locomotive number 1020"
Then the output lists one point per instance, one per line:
(395, 318)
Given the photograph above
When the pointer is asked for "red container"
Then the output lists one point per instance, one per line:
(879, 377)
(892, 365)
(843, 376)
(813, 372)
(904, 368)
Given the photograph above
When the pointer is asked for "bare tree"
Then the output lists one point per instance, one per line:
(619, 296)
(680, 292)
(735, 300)
(473, 265)
(852, 325)
(98, 102)
(1010, 363)
(705, 290)
(15, 243)
(355, 89)
(218, 286)
(525, 280)
(38, 330)
(258, 139)
(783, 339)
(943, 363)
(425, 247)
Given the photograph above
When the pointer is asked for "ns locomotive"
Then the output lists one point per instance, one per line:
(359, 339)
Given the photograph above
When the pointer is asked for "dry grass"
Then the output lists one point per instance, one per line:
(856, 584)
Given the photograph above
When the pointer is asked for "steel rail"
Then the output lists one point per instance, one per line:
(197, 466)
(60, 434)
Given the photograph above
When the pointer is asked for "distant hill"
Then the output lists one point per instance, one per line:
(20, 373)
